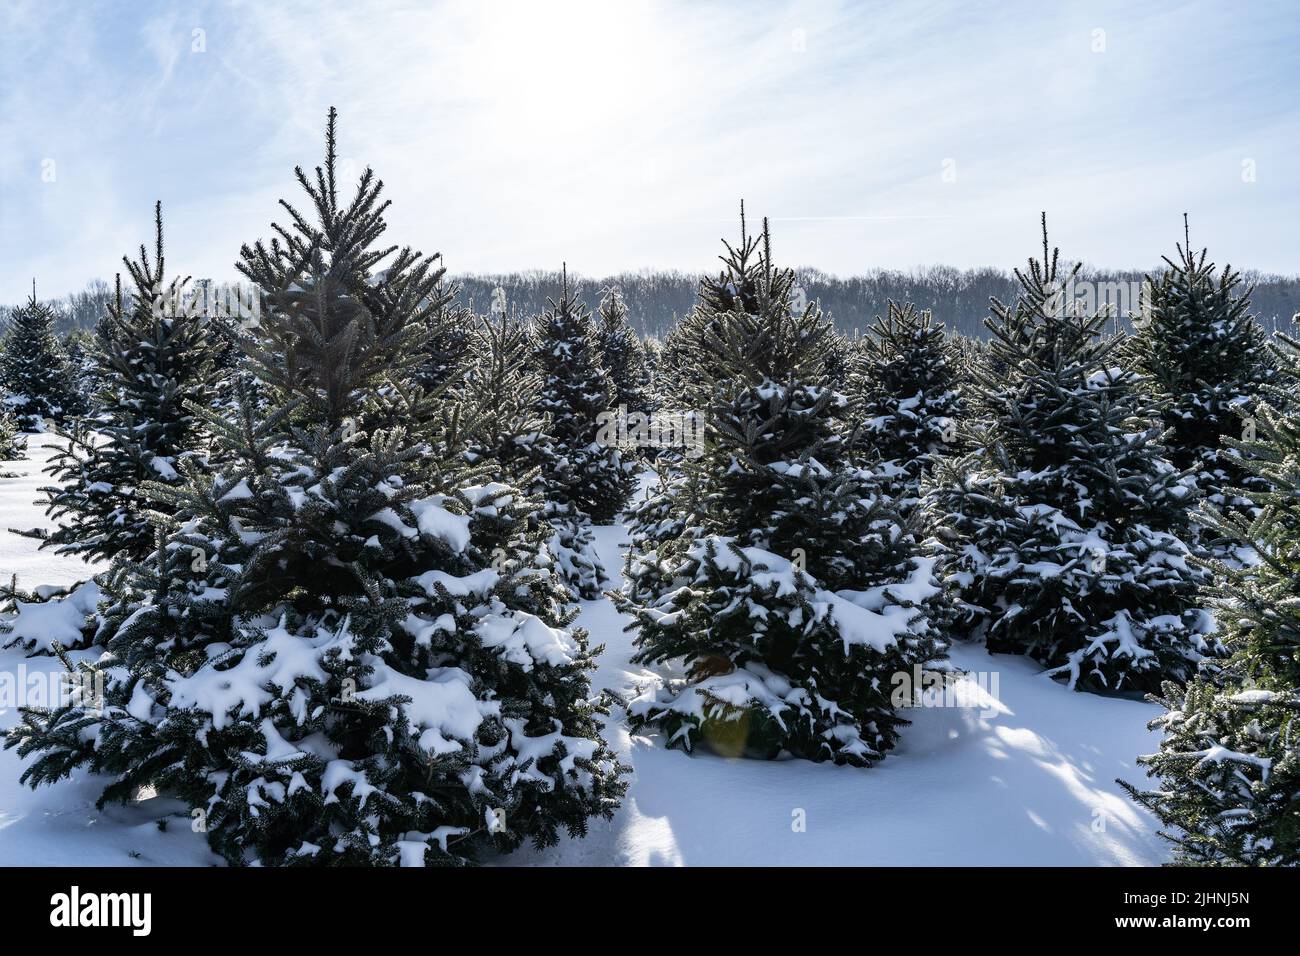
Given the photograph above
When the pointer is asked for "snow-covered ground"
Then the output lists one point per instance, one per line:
(59, 826)
(1022, 773)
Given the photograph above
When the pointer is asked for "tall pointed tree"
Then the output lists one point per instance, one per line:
(1202, 359)
(622, 354)
(585, 475)
(1228, 769)
(155, 361)
(501, 390)
(774, 570)
(341, 653)
(500, 393)
(33, 368)
(1061, 533)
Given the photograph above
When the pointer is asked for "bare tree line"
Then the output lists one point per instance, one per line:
(657, 299)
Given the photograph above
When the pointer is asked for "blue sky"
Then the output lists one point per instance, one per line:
(621, 135)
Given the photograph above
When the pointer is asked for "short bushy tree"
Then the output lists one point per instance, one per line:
(500, 395)
(903, 383)
(33, 369)
(1061, 533)
(773, 567)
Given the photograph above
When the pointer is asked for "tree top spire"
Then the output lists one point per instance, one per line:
(330, 153)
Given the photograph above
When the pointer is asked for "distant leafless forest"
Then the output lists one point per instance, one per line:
(957, 297)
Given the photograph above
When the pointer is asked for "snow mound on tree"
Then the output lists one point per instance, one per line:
(36, 626)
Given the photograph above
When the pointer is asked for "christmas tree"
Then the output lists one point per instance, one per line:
(33, 368)
(79, 349)
(903, 385)
(155, 361)
(622, 354)
(340, 653)
(1060, 533)
(445, 352)
(588, 477)
(1202, 359)
(500, 393)
(1229, 764)
(13, 445)
(839, 359)
(652, 351)
(500, 390)
(773, 567)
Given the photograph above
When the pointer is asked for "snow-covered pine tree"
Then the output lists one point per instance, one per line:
(1229, 763)
(970, 353)
(591, 478)
(686, 368)
(903, 387)
(652, 352)
(13, 445)
(224, 321)
(839, 358)
(622, 354)
(500, 388)
(79, 348)
(1202, 360)
(445, 354)
(1060, 533)
(340, 654)
(686, 373)
(500, 394)
(155, 361)
(33, 369)
(775, 570)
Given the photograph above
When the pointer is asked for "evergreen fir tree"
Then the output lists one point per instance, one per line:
(224, 322)
(1202, 359)
(79, 348)
(622, 354)
(903, 385)
(1061, 532)
(33, 368)
(1229, 764)
(839, 360)
(772, 566)
(500, 392)
(652, 351)
(585, 475)
(342, 652)
(155, 361)
(13, 444)
(445, 353)
(688, 368)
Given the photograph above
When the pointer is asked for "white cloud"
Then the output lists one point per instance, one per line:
(623, 135)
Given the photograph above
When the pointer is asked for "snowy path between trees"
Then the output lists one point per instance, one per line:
(1023, 779)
